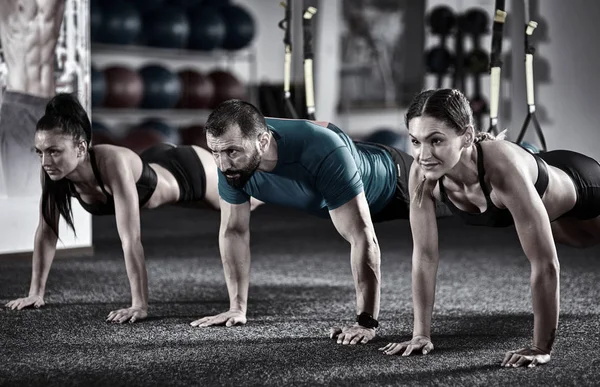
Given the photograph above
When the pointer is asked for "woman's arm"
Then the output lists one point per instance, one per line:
(515, 189)
(119, 178)
(44, 250)
(425, 260)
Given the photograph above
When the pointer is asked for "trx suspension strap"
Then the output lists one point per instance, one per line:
(530, 26)
(308, 61)
(496, 64)
(285, 25)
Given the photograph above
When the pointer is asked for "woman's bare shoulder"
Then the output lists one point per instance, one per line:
(114, 159)
(503, 159)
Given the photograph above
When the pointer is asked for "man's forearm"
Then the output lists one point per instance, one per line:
(137, 274)
(235, 255)
(423, 292)
(366, 259)
(545, 294)
(43, 255)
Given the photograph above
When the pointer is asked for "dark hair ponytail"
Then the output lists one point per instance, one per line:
(56, 200)
(449, 106)
(63, 113)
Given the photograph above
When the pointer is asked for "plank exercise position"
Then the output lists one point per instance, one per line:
(548, 197)
(109, 180)
(314, 167)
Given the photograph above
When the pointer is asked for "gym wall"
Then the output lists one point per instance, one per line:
(160, 66)
(265, 65)
(362, 123)
(567, 98)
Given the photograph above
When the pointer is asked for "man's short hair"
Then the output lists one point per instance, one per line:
(231, 112)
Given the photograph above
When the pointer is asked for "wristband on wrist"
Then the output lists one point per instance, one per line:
(366, 320)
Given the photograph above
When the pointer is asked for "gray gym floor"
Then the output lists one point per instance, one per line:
(301, 285)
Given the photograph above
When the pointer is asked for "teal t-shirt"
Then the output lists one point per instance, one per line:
(318, 170)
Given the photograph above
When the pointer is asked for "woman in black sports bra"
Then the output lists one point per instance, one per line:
(554, 196)
(107, 180)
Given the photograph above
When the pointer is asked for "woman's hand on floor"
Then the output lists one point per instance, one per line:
(229, 319)
(418, 345)
(20, 303)
(529, 357)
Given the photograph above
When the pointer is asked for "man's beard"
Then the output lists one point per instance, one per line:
(244, 174)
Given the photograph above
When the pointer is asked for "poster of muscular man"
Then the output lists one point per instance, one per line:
(43, 50)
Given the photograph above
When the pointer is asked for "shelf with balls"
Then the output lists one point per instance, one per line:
(159, 67)
(165, 53)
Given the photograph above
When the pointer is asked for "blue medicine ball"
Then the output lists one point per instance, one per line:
(241, 27)
(121, 23)
(162, 87)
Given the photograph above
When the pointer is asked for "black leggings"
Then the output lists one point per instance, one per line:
(585, 173)
(185, 165)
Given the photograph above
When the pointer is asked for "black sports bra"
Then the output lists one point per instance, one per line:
(493, 216)
(145, 185)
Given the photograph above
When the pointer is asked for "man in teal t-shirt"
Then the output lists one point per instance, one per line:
(318, 169)
(311, 166)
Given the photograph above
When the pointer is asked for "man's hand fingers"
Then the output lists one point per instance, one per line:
(522, 361)
(349, 337)
(506, 358)
(357, 339)
(342, 337)
(334, 332)
(534, 362)
(513, 359)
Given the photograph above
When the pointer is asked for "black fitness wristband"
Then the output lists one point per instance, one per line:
(366, 320)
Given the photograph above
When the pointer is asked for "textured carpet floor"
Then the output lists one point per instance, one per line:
(301, 285)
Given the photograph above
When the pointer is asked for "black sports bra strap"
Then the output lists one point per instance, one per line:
(442, 189)
(542, 180)
(481, 172)
(97, 173)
